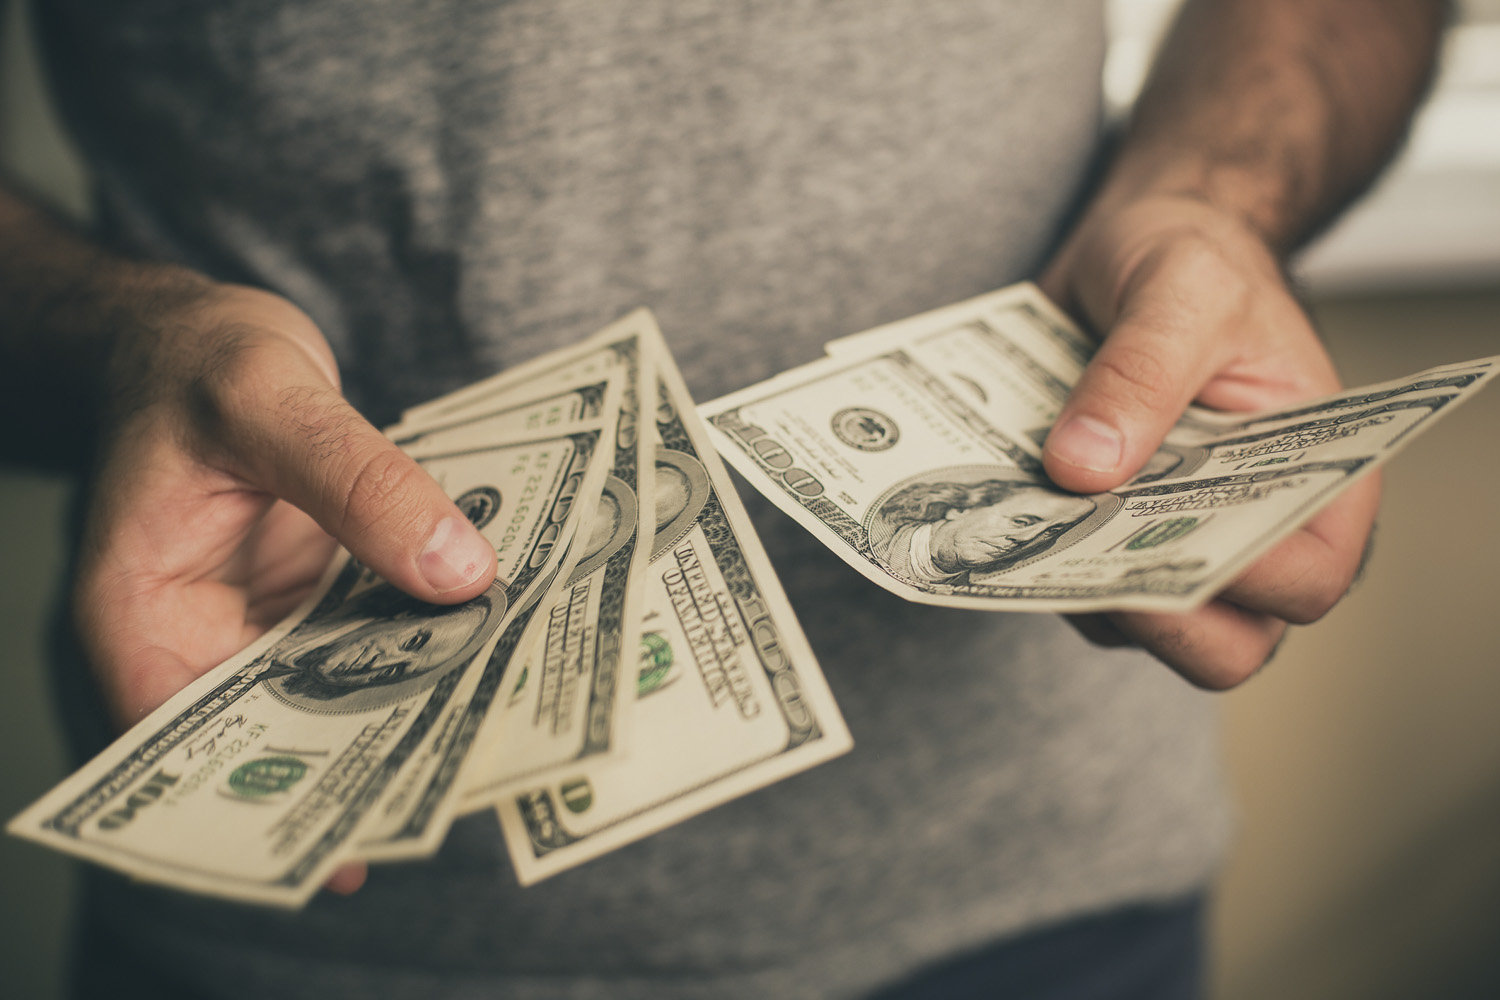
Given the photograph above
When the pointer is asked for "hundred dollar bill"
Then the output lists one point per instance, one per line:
(575, 704)
(1010, 356)
(933, 492)
(1372, 421)
(414, 812)
(730, 696)
(555, 408)
(250, 782)
(569, 701)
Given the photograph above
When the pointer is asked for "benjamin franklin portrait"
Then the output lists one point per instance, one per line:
(940, 531)
(378, 646)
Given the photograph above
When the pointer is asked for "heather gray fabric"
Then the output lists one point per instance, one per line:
(451, 187)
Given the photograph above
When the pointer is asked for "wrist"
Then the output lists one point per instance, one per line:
(1118, 239)
(1277, 112)
(65, 307)
(1218, 196)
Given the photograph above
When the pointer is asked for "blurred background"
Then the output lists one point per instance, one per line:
(1366, 759)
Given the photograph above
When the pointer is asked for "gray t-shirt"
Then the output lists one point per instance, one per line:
(450, 187)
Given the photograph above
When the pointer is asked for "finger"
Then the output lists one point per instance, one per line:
(1053, 281)
(1178, 321)
(1216, 647)
(136, 685)
(1305, 575)
(312, 448)
(348, 879)
(1099, 630)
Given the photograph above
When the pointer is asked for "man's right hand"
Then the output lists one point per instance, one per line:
(229, 465)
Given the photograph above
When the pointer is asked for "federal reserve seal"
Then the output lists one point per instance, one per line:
(865, 429)
(266, 776)
(655, 665)
(1161, 533)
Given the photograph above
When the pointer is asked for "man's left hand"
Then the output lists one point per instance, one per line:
(1193, 308)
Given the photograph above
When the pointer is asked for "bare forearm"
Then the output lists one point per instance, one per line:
(1277, 111)
(64, 304)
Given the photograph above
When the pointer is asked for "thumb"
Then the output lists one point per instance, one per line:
(1163, 347)
(316, 451)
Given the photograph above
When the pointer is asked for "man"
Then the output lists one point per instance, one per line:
(444, 188)
(942, 532)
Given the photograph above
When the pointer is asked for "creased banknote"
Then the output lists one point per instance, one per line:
(568, 699)
(250, 782)
(413, 813)
(730, 696)
(913, 454)
(352, 729)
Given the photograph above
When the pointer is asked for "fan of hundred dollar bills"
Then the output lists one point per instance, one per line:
(614, 681)
(610, 683)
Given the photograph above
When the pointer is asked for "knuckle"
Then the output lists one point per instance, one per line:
(1133, 375)
(242, 387)
(1313, 604)
(1199, 260)
(324, 424)
(1205, 268)
(380, 486)
(1211, 666)
(1229, 668)
(226, 382)
(1224, 298)
(1314, 593)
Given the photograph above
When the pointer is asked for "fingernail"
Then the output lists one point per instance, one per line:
(1087, 443)
(455, 555)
